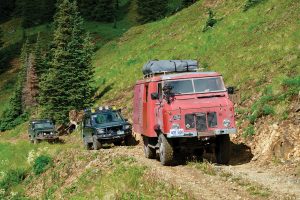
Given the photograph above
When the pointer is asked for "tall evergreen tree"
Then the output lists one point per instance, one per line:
(104, 10)
(67, 84)
(15, 114)
(151, 10)
(1, 38)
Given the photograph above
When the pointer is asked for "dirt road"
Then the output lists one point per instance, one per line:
(209, 181)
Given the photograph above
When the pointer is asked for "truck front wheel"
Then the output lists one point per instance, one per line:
(166, 151)
(222, 149)
(149, 152)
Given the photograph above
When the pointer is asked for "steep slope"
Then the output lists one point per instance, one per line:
(257, 51)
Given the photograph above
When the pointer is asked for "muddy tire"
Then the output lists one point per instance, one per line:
(199, 154)
(129, 140)
(118, 143)
(87, 146)
(36, 141)
(149, 152)
(96, 144)
(166, 151)
(222, 150)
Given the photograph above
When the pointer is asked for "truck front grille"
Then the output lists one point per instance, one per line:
(201, 124)
(212, 119)
(190, 121)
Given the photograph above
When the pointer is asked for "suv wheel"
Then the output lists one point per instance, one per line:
(118, 143)
(96, 144)
(36, 141)
(149, 152)
(222, 150)
(87, 146)
(165, 150)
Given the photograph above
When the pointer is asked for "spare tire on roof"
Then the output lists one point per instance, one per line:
(161, 66)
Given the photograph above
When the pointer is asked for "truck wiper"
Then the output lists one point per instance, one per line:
(211, 96)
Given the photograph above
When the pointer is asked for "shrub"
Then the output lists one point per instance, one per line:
(251, 3)
(292, 86)
(41, 164)
(249, 131)
(210, 22)
(12, 177)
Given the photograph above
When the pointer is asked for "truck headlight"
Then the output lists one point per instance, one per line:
(126, 127)
(226, 123)
(51, 133)
(101, 130)
(175, 126)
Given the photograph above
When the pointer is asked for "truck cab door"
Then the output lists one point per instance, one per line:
(87, 130)
(159, 107)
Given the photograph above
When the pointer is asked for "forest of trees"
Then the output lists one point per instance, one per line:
(60, 78)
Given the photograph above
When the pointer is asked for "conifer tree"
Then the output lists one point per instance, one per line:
(15, 113)
(104, 10)
(151, 10)
(67, 84)
(1, 38)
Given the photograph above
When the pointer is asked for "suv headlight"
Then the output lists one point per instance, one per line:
(226, 123)
(101, 130)
(126, 127)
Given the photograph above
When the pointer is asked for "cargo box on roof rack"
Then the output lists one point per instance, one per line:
(168, 66)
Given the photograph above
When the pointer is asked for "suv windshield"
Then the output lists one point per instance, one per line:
(202, 85)
(106, 117)
(44, 125)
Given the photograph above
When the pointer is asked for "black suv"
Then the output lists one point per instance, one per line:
(42, 129)
(105, 125)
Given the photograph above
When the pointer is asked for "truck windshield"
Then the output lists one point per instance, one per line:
(202, 85)
(106, 117)
(45, 125)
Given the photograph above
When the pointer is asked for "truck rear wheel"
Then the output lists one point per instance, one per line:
(96, 144)
(149, 152)
(222, 150)
(166, 151)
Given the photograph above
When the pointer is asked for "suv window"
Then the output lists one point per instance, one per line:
(106, 117)
(87, 122)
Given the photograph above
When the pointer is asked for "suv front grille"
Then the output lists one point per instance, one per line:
(112, 130)
(201, 124)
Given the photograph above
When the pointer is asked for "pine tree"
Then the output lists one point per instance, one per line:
(151, 10)
(67, 84)
(104, 11)
(15, 113)
(1, 38)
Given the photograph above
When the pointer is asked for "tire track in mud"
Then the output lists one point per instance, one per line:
(203, 186)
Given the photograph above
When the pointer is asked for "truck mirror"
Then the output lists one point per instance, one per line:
(230, 90)
(154, 96)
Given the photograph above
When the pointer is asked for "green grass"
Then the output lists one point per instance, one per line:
(246, 47)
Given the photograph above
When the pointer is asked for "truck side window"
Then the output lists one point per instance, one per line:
(159, 91)
(147, 92)
(87, 122)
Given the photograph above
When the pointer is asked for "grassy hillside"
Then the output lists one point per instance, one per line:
(252, 49)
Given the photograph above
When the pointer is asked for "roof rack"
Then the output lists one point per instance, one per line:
(147, 76)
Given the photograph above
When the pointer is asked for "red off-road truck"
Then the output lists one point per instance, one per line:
(178, 110)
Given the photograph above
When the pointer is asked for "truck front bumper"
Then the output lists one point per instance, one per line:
(179, 133)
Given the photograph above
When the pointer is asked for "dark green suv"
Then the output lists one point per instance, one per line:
(42, 129)
(105, 125)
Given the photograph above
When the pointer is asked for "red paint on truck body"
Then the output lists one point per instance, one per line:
(150, 115)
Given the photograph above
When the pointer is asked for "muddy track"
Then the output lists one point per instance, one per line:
(200, 185)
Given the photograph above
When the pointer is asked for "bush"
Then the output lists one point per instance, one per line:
(249, 131)
(251, 3)
(12, 177)
(41, 164)
(210, 22)
(292, 86)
